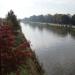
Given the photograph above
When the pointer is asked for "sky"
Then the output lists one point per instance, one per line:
(26, 8)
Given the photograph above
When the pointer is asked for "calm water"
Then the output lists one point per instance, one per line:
(55, 48)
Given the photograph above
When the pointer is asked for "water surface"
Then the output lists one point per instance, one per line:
(55, 48)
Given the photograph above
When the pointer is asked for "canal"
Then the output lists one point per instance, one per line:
(54, 48)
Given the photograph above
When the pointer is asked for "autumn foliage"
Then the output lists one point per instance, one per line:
(11, 58)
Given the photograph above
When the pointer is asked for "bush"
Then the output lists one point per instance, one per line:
(11, 58)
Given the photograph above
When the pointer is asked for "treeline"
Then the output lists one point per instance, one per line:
(57, 18)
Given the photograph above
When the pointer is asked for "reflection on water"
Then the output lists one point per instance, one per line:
(55, 47)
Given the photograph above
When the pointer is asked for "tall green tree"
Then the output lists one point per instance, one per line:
(13, 19)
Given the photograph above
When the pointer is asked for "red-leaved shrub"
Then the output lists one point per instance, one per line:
(11, 58)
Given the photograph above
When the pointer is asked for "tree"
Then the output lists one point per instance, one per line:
(33, 18)
(13, 19)
(66, 19)
(73, 20)
(48, 18)
(57, 18)
(41, 18)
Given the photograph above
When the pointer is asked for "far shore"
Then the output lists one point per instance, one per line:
(52, 24)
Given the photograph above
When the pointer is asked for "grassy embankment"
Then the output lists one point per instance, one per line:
(70, 28)
(32, 66)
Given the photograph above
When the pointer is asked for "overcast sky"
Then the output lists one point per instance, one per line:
(26, 8)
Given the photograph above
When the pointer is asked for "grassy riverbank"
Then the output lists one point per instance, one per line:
(50, 24)
(57, 28)
(32, 66)
(17, 56)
